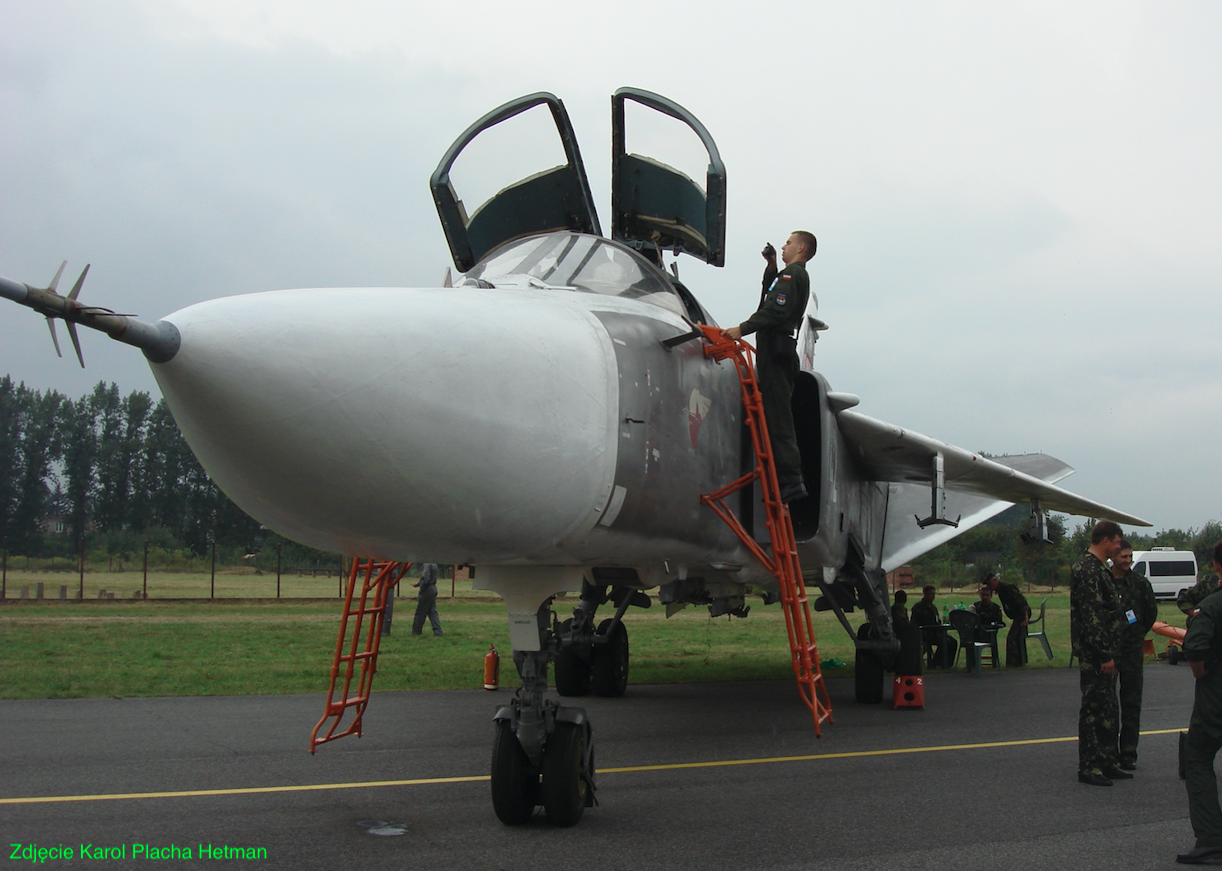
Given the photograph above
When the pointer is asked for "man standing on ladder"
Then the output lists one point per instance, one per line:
(778, 319)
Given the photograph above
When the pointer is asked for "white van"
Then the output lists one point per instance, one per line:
(1169, 570)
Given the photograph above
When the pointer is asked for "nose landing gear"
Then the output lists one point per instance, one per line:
(542, 753)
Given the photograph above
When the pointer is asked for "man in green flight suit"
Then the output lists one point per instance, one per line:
(1139, 610)
(1094, 628)
(1203, 650)
(1014, 603)
(777, 320)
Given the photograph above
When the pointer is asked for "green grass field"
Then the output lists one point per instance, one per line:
(55, 649)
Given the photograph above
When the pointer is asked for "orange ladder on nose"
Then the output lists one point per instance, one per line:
(783, 563)
(380, 579)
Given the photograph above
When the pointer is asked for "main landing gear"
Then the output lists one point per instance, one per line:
(590, 660)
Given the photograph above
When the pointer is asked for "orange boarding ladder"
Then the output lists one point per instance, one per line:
(379, 578)
(783, 563)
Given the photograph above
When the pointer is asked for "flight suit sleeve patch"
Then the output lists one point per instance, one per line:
(780, 299)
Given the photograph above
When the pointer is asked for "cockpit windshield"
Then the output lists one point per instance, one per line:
(579, 262)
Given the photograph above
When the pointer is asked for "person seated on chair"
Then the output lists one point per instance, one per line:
(989, 613)
(899, 612)
(925, 614)
(987, 610)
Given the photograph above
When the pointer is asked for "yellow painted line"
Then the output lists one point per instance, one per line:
(252, 790)
(858, 754)
(432, 781)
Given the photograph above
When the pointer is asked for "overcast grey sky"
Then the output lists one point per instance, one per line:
(1016, 204)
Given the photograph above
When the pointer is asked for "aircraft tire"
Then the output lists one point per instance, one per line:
(573, 674)
(867, 673)
(1173, 655)
(565, 786)
(610, 672)
(515, 787)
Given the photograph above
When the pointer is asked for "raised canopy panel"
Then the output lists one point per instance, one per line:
(654, 203)
(556, 199)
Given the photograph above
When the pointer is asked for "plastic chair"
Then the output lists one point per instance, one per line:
(967, 625)
(1040, 635)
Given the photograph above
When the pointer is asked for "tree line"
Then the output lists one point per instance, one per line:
(1003, 544)
(115, 468)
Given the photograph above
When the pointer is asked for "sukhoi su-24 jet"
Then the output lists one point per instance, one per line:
(570, 454)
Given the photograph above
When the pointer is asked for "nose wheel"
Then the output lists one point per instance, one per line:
(542, 753)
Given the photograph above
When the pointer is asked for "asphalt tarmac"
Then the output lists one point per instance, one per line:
(712, 776)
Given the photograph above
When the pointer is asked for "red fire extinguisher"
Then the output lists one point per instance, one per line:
(492, 669)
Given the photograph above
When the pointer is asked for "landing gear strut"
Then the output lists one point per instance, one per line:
(542, 753)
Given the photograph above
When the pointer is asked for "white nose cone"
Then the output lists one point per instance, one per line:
(454, 425)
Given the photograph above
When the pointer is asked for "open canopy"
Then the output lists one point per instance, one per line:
(557, 199)
(653, 203)
(655, 206)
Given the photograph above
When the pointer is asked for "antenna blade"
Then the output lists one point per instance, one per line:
(55, 281)
(76, 288)
(54, 338)
(76, 343)
(448, 281)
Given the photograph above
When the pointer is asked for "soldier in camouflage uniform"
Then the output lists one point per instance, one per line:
(1139, 610)
(1014, 603)
(986, 609)
(1203, 650)
(778, 319)
(1094, 626)
(1188, 600)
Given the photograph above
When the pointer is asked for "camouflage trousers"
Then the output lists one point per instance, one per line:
(1097, 722)
(1131, 670)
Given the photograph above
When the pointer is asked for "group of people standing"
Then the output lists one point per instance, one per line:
(1111, 609)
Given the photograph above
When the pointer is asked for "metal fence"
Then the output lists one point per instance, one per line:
(79, 578)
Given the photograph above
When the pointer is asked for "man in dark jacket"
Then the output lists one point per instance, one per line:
(777, 320)
(925, 614)
(1203, 650)
(1139, 610)
(986, 609)
(1014, 604)
(899, 611)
